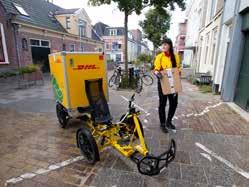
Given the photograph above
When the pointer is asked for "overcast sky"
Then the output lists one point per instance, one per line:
(110, 15)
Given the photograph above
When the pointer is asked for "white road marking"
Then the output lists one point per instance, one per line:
(229, 164)
(206, 110)
(140, 108)
(42, 170)
(206, 156)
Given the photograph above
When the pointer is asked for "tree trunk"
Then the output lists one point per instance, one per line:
(126, 43)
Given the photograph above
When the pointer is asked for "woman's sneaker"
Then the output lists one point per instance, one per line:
(170, 126)
(163, 127)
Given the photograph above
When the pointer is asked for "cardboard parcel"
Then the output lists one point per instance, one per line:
(171, 81)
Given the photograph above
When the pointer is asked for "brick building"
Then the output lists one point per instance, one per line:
(114, 42)
(30, 30)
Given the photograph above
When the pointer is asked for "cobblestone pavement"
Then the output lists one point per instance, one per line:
(212, 143)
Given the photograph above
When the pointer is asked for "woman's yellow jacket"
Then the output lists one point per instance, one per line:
(163, 62)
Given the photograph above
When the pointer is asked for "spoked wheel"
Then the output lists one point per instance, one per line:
(87, 145)
(147, 80)
(112, 81)
(62, 115)
(139, 85)
(117, 82)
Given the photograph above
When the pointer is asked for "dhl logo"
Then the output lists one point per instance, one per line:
(85, 67)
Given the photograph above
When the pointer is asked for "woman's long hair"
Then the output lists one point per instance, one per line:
(171, 51)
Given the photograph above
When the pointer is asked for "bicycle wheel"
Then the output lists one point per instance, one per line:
(112, 81)
(139, 85)
(117, 81)
(147, 80)
(87, 145)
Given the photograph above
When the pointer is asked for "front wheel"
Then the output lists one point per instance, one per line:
(62, 115)
(112, 81)
(87, 145)
(139, 85)
(147, 80)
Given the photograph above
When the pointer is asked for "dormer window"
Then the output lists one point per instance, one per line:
(67, 22)
(82, 28)
(113, 32)
(20, 9)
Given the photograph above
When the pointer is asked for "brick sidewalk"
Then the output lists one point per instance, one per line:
(31, 141)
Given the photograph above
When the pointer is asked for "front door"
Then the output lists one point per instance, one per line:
(242, 91)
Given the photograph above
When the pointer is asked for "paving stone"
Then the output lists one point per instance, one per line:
(182, 157)
(155, 182)
(110, 177)
(180, 183)
(219, 176)
(193, 174)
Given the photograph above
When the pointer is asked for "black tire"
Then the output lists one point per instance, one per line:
(111, 81)
(139, 85)
(130, 122)
(117, 81)
(87, 145)
(147, 80)
(62, 115)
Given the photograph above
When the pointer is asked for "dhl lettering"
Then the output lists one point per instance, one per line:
(85, 67)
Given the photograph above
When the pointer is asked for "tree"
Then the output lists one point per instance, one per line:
(145, 58)
(155, 25)
(130, 6)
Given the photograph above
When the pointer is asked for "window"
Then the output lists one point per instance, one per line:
(72, 47)
(67, 22)
(20, 9)
(213, 8)
(3, 48)
(34, 42)
(107, 46)
(39, 43)
(114, 45)
(118, 57)
(214, 46)
(24, 44)
(206, 49)
(113, 32)
(82, 47)
(64, 47)
(44, 43)
(119, 46)
(82, 28)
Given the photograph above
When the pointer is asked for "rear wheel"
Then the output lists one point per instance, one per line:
(62, 115)
(147, 80)
(87, 145)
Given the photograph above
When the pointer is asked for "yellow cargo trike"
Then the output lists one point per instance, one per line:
(79, 82)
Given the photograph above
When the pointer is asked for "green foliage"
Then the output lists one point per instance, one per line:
(7, 74)
(127, 83)
(28, 69)
(205, 88)
(145, 58)
(155, 25)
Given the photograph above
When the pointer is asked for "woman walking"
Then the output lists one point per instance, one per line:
(166, 60)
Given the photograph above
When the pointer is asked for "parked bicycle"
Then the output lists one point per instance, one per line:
(142, 78)
(115, 79)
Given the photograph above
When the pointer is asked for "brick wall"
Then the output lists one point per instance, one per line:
(10, 42)
(56, 44)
